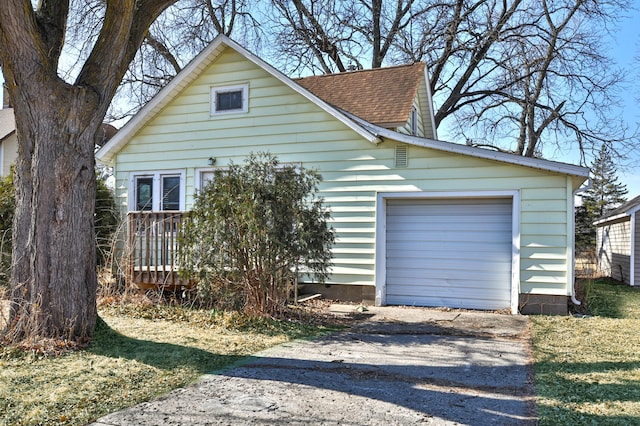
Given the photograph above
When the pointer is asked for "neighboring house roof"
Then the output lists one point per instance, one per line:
(369, 131)
(107, 131)
(625, 210)
(382, 96)
(7, 123)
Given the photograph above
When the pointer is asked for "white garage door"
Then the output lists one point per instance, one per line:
(449, 252)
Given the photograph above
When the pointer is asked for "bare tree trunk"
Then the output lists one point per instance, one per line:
(54, 280)
(54, 274)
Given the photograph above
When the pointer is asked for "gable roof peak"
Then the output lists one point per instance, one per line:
(189, 73)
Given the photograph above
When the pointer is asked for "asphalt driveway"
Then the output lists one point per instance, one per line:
(401, 366)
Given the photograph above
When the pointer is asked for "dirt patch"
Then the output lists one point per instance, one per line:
(444, 322)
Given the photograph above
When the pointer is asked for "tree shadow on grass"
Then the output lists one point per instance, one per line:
(612, 299)
(555, 415)
(108, 342)
(568, 391)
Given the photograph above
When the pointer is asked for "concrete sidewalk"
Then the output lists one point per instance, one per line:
(401, 366)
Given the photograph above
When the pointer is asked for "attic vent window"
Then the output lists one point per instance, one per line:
(402, 156)
(229, 99)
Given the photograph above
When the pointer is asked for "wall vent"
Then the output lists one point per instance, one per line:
(402, 156)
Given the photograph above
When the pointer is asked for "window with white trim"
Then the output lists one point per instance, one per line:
(230, 99)
(157, 191)
(203, 176)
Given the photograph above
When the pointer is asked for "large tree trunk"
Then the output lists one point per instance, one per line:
(54, 258)
(54, 278)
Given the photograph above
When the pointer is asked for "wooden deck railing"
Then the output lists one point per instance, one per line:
(153, 249)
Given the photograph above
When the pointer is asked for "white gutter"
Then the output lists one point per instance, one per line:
(454, 148)
(632, 260)
(611, 218)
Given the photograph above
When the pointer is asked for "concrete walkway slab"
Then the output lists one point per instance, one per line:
(402, 366)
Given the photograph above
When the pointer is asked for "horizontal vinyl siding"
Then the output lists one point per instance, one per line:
(636, 255)
(427, 127)
(614, 250)
(9, 153)
(184, 136)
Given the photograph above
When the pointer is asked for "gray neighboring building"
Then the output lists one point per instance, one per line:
(618, 243)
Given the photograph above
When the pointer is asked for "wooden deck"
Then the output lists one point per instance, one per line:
(153, 250)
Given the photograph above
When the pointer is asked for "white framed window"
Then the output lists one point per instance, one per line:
(206, 175)
(229, 99)
(157, 191)
(203, 176)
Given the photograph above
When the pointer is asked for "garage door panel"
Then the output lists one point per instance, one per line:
(433, 225)
(461, 303)
(445, 275)
(409, 246)
(431, 222)
(426, 254)
(449, 252)
(444, 236)
(451, 265)
(443, 294)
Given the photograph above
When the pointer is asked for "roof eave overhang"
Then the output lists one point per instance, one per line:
(622, 217)
(582, 173)
(107, 153)
(6, 136)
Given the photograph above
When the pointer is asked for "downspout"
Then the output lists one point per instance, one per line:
(632, 257)
(573, 239)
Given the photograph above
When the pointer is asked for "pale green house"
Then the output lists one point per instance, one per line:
(418, 221)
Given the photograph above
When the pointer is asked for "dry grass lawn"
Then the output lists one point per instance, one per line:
(588, 368)
(137, 354)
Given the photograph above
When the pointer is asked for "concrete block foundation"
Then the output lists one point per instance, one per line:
(543, 304)
(529, 304)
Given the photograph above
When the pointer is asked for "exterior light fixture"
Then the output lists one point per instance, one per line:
(211, 161)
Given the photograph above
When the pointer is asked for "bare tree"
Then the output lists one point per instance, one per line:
(53, 284)
(511, 75)
(177, 36)
(327, 35)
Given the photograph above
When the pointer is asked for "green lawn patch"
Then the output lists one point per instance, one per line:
(137, 353)
(588, 368)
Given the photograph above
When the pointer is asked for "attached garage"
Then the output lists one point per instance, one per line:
(456, 252)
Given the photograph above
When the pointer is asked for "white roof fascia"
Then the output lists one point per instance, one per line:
(454, 148)
(430, 101)
(626, 214)
(615, 218)
(190, 73)
(633, 209)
